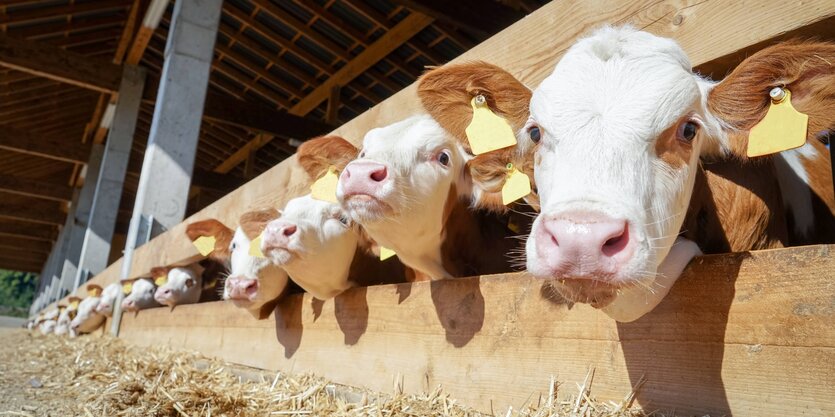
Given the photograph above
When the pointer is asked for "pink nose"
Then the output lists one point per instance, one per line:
(585, 245)
(128, 304)
(363, 177)
(241, 288)
(277, 234)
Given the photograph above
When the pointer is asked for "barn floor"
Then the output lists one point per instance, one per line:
(103, 376)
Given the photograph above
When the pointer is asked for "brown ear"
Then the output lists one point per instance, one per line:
(446, 93)
(254, 222)
(159, 271)
(318, 154)
(807, 69)
(212, 227)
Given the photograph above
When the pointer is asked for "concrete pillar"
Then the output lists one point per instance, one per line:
(80, 219)
(94, 244)
(60, 251)
(172, 144)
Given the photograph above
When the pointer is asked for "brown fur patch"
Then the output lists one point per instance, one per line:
(671, 150)
(317, 155)
(160, 271)
(212, 227)
(807, 69)
(446, 93)
(253, 222)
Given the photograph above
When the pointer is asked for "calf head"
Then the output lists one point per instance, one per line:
(446, 93)
(108, 299)
(87, 318)
(402, 187)
(212, 228)
(178, 285)
(141, 295)
(254, 283)
(623, 123)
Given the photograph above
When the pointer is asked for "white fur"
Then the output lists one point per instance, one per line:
(87, 319)
(795, 188)
(318, 255)
(47, 326)
(142, 294)
(184, 285)
(272, 280)
(108, 299)
(62, 325)
(406, 213)
(600, 112)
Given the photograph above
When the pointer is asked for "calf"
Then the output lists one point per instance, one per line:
(316, 241)
(50, 319)
(254, 283)
(617, 161)
(139, 294)
(178, 285)
(62, 325)
(87, 320)
(108, 299)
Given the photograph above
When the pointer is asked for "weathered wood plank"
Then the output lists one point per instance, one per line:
(707, 30)
(741, 334)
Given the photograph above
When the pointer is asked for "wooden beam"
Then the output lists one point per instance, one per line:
(483, 18)
(495, 341)
(34, 188)
(15, 265)
(40, 13)
(52, 62)
(17, 140)
(404, 30)
(32, 213)
(25, 245)
(242, 153)
(9, 229)
(332, 112)
(261, 118)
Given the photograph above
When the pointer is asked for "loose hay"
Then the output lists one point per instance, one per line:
(92, 376)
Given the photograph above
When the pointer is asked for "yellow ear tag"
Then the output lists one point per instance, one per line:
(325, 187)
(516, 186)
(74, 304)
(781, 129)
(255, 248)
(93, 292)
(487, 131)
(386, 253)
(127, 288)
(205, 244)
(160, 280)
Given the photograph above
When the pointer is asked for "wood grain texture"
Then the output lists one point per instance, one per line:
(741, 334)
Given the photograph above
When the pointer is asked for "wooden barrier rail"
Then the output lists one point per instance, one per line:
(739, 334)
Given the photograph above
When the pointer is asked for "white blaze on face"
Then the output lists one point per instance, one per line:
(141, 296)
(399, 188)
(315, 242)
(252, 281)
(616, 164)
(183, 286)
(87, 319)
(108, 299)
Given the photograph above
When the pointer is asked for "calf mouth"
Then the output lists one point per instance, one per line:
(364, 207)
(594, 292)
(280, 255)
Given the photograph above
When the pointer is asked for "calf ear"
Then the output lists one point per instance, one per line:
(253, 222)
(159, 271)
(741, 100)
(447, 92)
(212, 227)
(318, 154)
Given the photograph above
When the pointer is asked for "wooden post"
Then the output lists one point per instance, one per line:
(332, 113)
(172, 144)
(94, 246)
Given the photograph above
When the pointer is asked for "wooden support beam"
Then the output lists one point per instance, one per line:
(483, 18)
(17, 140)
(34, 188)
(35, 14)
(332, 112)
(11, 229)
(32, 213)
(16, 265)
(52, 62)
(261, 118)
(25, 245)
(404, 30)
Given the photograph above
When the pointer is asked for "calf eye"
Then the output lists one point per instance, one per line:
(344, 219)
(443, 158)
(687, 131)
(534, 133)
(362, 154)
(234, 246)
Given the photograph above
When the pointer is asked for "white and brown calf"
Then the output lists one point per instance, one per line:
(183, 284)
(87, 319)
(254, 284)
(622, 125)
(62, 324)
(108, 299)
(141, 295)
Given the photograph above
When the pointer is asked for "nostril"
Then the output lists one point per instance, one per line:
(252, 288)
(379, 174)
(616, 243)
(289, 230)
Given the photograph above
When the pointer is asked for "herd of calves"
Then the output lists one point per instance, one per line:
(605, 180)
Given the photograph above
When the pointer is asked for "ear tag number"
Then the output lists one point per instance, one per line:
(205, 244)
(255, 248)
(386, 253)
(487, 131)
(127, 288)
(781, 129)
(325, 187)
(160, 280)
(516, 186)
